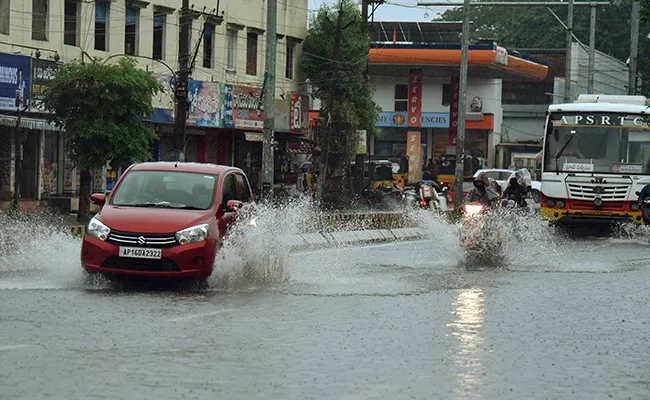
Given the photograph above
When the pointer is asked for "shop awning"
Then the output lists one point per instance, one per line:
(28, 123)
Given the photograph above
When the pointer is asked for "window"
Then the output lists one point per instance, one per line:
(208, 45)
(229, 190)
(4, 17)
(288, 69)
(70, 24)
(101, 25)
(251, 53)
(232, 49)
(39, 19)
(131, 31)
(244, 188)
(446, 94)
(165, 188)
(401, 97)
(159, 21)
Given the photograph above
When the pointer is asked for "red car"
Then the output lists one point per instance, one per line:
(165, 219)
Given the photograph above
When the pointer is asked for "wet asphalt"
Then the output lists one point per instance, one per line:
(559, 319)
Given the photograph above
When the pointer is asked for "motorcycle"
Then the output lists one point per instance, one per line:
(426, 194)
(480, 241)
(644, 204)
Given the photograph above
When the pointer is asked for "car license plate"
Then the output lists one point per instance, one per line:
(134, 252)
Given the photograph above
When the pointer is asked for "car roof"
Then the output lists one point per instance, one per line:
(493, 170)
(201, 168)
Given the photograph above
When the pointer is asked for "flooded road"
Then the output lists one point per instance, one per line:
(564, 319)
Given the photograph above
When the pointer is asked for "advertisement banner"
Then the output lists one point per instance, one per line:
(206, 106)
(453, 110)
(413, 155)
(228, 121)
(362, 147)
(15, 76)
(99, 180)
(43, 71)
(163, 102)
(247, 108)
(415, 99)
(299, 113)
(70, 178)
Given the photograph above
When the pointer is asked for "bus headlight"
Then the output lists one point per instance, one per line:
(550, 202)
(598, 202)
(634, 207)
(560, 204)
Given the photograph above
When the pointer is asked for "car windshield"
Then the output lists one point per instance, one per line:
(597, 142)
(499, 175)
(168, 189)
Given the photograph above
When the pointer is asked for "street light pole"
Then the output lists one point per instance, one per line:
(592, 50)
(634, 45)
(462, 108)
(182, 81)
(568, 58)
(269, 99)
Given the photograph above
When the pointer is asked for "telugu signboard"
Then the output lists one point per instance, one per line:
(206, 105)
(247, 108)
(299, 113)
(43, 71)
(15, 74)
(163, 101)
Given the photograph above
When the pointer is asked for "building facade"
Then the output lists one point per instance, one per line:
(228, 43)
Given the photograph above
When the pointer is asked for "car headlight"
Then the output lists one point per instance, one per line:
(473, 209)
(97, 229)
(192, 234)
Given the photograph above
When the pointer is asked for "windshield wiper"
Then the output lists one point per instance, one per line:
(161, 205)
(183, 207)
(559, 153)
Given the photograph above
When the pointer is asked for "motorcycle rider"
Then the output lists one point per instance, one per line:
(518, 189)
(485, 191)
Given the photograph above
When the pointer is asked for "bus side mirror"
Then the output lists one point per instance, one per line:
(638, 193)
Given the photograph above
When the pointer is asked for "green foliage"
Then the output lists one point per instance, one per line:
(536, 27)
(99, 106)
(353, 102)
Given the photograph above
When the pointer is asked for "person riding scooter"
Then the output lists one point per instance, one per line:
(519, 188)
(485, 191)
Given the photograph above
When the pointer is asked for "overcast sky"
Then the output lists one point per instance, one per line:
(395, 10)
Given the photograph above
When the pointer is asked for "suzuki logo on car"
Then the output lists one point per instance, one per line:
(599, 181)
(142, 240)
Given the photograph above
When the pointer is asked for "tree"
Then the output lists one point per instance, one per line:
(536, 27)
(99, 105)
(353, 103)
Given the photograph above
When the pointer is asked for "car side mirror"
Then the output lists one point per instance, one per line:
(98, 199)
(233, 205)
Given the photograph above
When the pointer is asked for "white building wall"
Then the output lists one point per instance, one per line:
(292, 21)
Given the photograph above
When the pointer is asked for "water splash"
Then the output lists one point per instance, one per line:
(36, 252)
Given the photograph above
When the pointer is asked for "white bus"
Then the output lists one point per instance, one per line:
(596, 156)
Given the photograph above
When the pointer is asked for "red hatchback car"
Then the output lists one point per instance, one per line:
(165, 219)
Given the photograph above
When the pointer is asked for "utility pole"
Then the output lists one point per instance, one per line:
(180, 134)
(269, 99)
(592, 50)
(330, 104)
(634, 46)
(567, 64)
(462, 108)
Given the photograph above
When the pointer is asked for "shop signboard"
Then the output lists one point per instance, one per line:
(99, 180)
(247, 108)
(299, 113)
(206, 105)
(163, 102)
(414, 116)
(43, 71)
(397, 119)
(15, 74)
(453, 110)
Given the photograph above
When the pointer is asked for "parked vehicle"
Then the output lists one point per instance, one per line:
(166, 219)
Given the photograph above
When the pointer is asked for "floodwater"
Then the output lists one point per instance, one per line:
(561, 317)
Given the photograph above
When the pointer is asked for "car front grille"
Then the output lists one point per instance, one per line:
(146, 240)
(136, 264)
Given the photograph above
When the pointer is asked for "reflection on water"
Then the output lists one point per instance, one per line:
(467, 328)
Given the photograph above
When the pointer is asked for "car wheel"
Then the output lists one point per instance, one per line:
(536, 196)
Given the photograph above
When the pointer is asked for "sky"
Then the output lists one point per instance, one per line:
(395, 10)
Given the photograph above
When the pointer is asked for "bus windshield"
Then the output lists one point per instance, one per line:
(597, 142)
